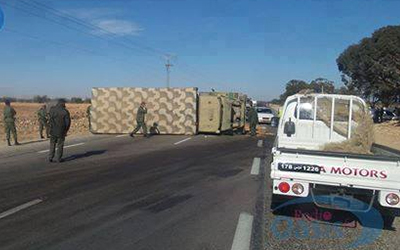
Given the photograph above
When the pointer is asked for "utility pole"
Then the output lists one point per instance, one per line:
(168, 65)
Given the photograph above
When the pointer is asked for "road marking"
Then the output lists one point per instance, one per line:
(255, 169)
(242, 238)
(259, 143)
(179, 142)
(19, 208)
(69, 146)
(121, 135)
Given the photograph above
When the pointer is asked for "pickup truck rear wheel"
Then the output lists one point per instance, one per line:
(388, 221)
(276, 201)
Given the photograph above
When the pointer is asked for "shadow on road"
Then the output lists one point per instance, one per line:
(340, 218)
(33, 141)
(85, 155)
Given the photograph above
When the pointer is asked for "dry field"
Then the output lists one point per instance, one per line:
(27, 122)
(388, 134)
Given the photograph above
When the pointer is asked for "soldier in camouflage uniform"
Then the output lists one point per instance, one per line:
(60, 122)
(9, 122)
(43, 121)
(88, 110)
(140, 120)
(253, 120)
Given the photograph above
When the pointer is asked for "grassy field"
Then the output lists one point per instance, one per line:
(27, 121)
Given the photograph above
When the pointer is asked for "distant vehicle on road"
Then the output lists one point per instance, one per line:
(265, 114)
(304, 166)
(387, 115)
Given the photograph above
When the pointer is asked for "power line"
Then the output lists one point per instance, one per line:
(75, 29)
(86, 25)
(89, 25)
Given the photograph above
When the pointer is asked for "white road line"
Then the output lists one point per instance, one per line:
(255, 169)
(69, 146)
(19, 208)
(121, 135)
(242, 238)
(179, 142)
(259, 143)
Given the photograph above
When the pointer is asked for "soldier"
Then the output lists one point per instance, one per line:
(140, 120)
(43, 121)
(60, 122)
(9, 122)
(88, 110)
(154, 129)
(253, 120)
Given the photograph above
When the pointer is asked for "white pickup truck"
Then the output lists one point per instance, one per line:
(301, 167)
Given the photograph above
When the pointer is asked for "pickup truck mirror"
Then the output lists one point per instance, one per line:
(290, 128)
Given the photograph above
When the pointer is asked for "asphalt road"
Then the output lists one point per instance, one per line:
(166, 192)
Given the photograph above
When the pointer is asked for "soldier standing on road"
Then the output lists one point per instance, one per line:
(140, 120)
(88, 110)
(60, 122)
(253, 120)
(43, 121)
(9, 122)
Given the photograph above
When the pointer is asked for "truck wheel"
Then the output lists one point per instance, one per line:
(388, 221)
(276, 201)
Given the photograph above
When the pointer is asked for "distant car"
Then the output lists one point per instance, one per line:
(387, 115)
(265, 115)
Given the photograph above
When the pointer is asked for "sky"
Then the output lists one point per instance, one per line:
(64, 48)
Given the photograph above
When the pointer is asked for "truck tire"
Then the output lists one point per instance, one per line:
(388, 221)
(276, 201)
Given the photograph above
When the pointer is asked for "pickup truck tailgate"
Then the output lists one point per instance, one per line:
(359, 171)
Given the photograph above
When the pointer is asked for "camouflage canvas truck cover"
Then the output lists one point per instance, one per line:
(173, 109)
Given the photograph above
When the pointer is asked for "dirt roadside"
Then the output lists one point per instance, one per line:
(388, 134)
(27, 121)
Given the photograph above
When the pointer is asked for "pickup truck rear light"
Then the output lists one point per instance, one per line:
(392, 199)
(297, 188)
(284, 187)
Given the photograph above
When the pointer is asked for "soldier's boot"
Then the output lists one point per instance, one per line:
(16, 142)
(8, 142)
(131, 135)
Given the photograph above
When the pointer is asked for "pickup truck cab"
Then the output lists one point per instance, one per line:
(302, 167)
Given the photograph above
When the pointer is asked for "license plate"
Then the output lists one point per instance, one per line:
(303, 168)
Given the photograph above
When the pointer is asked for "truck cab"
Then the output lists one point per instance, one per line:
(323, 148)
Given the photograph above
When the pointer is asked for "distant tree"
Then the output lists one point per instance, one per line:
(76, 100)
(294, 87)
(322, 85)
(372, 67)
(11, 99)
(40, 99)
(87, 100)
(343, 90)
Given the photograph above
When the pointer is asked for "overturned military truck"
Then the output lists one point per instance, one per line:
(175, 110)
(221, 112)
